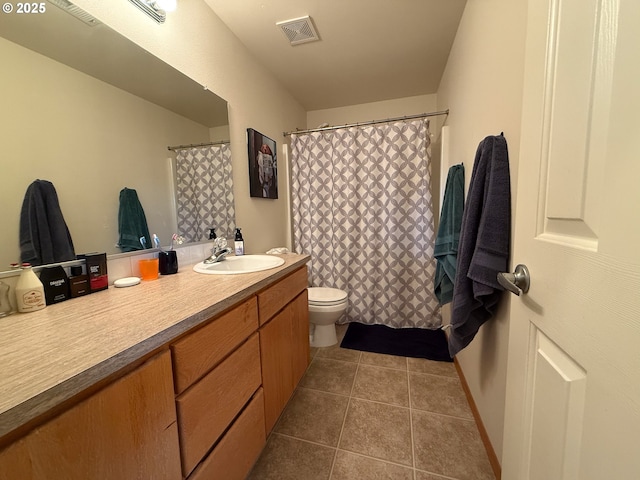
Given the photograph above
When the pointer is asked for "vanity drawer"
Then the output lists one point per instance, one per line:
(198, 352)
(207, 408)
(274, 298)
(240, 447)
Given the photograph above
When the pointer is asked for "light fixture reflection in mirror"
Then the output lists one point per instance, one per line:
(167, 5)
(156, 9)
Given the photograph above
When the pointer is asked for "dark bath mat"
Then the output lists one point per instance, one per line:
(404, 342)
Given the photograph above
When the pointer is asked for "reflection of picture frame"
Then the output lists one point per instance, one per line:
(263, 170)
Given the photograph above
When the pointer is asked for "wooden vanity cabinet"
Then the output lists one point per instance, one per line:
(207, 409)
(232, 383)
(217, 377)
(199, 410)
(284, 341)
(126, 430)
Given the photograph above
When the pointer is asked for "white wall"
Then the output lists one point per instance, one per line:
(373, 111)
(482, 87)
(196, 42)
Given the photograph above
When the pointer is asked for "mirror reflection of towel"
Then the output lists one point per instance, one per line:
(132, 222)
(44, 236)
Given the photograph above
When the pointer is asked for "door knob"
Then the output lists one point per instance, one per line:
(517, 282)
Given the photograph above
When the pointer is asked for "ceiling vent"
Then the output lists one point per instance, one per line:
(299, 30)
(76, 11)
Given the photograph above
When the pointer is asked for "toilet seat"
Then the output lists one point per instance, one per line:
(325, 296)
(326, 307)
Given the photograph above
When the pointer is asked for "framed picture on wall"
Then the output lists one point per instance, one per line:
(263, 166)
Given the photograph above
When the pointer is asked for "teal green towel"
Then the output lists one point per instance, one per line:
(446, 247)
(132, 222)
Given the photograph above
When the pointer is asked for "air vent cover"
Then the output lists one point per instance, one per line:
(299, 30)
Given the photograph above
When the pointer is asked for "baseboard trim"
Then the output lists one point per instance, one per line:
(493, 458)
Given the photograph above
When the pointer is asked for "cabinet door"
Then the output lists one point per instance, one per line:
(284, 349)
(127, 430)
(300, 336)
(277, 374)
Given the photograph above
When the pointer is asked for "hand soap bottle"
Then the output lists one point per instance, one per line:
(239, 243)
(29, 291)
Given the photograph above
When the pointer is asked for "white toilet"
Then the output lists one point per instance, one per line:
(326, 306)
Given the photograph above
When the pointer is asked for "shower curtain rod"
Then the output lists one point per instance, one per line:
(192, 145)
(372, 122)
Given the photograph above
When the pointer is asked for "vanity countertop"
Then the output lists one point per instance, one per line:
(51, 355)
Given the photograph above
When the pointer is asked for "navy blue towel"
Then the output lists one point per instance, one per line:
(484, 243)
(44, 236)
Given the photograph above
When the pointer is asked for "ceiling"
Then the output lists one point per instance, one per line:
(369, 50)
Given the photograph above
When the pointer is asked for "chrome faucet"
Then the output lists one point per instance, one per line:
(219, 252)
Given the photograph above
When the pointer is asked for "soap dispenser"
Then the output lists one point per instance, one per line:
(239, 243)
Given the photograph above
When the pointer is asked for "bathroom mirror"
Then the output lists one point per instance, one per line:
(90, 111)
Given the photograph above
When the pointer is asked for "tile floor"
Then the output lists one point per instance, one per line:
(358, 415)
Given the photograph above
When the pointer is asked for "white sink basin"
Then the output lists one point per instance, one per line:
(242, 264)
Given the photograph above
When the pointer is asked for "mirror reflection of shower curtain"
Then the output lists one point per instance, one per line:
(204, 192)
(362, 209)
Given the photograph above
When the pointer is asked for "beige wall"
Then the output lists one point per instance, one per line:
(90, 140)
(482, 87)
(196, 42)
(373, 111)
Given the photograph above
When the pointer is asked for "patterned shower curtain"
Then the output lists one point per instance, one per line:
(362, 209)
(204, 192)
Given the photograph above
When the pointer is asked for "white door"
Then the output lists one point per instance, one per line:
(573, 379)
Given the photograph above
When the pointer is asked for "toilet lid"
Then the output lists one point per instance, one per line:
(326, 296)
